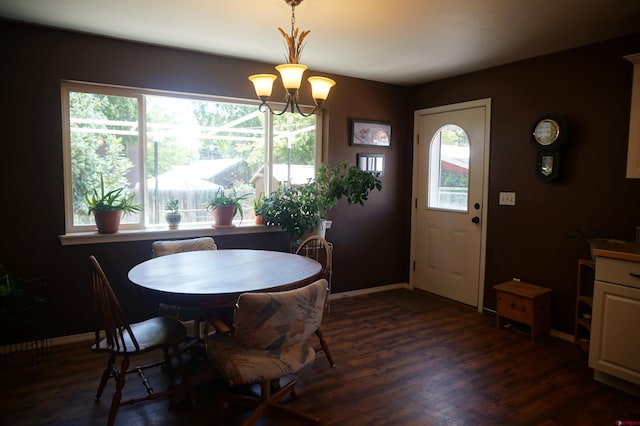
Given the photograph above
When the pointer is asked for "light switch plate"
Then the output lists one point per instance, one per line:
(507, 199)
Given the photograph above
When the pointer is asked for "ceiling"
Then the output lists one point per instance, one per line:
(402, 42)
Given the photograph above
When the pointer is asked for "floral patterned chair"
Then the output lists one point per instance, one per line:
(270, 340)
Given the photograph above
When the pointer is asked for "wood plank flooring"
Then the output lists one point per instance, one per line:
(450, 366)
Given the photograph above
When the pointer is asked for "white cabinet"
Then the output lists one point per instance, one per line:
(615, 326)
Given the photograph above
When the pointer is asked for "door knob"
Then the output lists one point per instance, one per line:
(475, 219)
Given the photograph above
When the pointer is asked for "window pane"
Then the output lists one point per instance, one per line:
(104, 142)
(196, 147)
(294, 148)
(449, 169)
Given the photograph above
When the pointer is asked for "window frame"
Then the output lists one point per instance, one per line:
(83, 234)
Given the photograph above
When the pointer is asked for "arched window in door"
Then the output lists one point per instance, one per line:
(448, 176)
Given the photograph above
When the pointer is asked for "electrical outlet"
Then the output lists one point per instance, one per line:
(507, 199)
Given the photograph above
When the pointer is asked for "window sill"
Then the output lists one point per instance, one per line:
(80, 238)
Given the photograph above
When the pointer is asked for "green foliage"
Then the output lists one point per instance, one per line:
(297, 209)
(456, 180)
(333, 183)
(93, 154)
(173, 205)
(258, 204)
(454, 135)
(294, 208)
(220, 198)
(116, 199)
(19, 307)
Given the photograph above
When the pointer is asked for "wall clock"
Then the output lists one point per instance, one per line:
(549, 134)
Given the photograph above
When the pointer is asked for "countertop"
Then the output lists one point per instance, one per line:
(623, 251)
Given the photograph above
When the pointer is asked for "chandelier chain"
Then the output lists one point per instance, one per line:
(293, 19)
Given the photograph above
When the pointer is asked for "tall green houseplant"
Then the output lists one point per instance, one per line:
(294, 208)
(297, 209)
(343, 180)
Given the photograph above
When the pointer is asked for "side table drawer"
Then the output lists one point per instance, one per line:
(515, 307)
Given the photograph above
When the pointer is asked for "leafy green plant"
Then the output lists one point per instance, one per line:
(297, 209)
(173, 205)
(258, 204)
(220, 198)
(343, 180)
(19, 307)
(116, 199)
(294, 208)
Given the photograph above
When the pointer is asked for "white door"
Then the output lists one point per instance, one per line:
(450, 191)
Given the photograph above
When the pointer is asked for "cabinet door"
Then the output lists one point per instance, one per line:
(615, 335)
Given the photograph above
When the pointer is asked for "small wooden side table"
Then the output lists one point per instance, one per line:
(524, 303)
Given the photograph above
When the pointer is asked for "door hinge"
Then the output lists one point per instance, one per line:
(414, 266)
(418, 139)
(415, 204)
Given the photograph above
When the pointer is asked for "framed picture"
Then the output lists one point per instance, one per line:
(371, 162)
(370, 133)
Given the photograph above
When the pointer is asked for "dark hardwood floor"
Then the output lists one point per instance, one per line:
(449, 366)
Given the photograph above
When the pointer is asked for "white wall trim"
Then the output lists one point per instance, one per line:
(88, 337)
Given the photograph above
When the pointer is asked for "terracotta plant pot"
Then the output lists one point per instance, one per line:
(223, 216)
(107, 221)
(259, 220)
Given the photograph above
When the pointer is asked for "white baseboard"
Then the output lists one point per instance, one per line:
(561, 335)
(88, 337)
(74, 338)
(370, 290)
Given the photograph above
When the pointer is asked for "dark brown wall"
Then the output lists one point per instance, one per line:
(36, 59)
(591, 88)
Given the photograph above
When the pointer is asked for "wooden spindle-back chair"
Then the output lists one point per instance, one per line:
(117, 337)
(317, 248)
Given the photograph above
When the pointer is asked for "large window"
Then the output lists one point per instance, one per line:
(162, 146)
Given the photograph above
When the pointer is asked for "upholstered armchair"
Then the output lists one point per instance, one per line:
(270, 340)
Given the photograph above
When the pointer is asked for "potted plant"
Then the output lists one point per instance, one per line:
(301, 209)
(108, 207)
(224, 207)
(294, 208)
(343, 180)
(258, 206)
(173, 216)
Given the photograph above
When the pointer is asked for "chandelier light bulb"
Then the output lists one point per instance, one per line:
(263, 84)
(291, 75)
(320, 87)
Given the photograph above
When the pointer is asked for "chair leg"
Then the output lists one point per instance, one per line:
(167, 366)
(259, 411)
(105, 375)
(117, 396)
(273, 404)
(186, 380)
(325, 348)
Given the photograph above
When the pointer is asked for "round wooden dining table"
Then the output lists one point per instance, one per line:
(215, 278)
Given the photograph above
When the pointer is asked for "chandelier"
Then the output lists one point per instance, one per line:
(291, 74)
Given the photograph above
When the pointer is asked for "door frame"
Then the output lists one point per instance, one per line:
(486, 103)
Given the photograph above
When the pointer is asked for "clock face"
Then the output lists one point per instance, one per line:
(546, 132)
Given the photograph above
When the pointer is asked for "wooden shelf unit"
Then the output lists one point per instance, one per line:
(584, 304)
